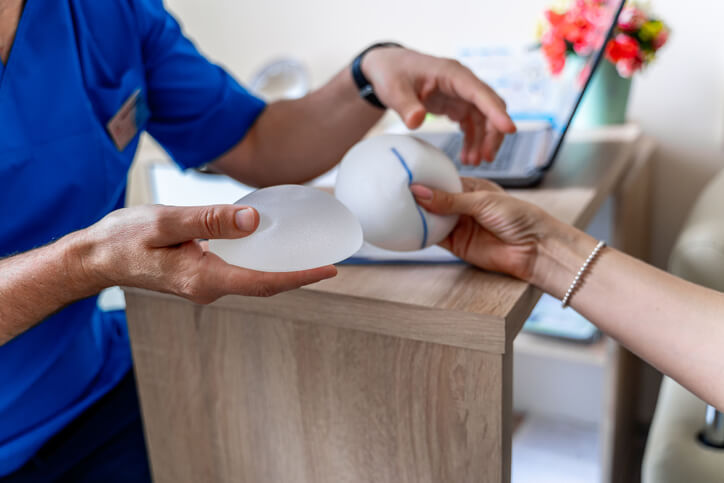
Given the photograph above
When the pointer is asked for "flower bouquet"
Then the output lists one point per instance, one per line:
(575, 31)
(572, 33)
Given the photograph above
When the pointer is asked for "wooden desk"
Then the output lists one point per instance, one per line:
(383, 374)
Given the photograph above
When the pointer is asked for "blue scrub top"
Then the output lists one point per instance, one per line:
(72, 66)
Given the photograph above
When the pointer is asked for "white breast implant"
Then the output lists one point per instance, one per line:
(299, 228)
(374, 181)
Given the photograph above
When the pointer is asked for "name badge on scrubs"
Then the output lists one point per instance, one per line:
(124, 125)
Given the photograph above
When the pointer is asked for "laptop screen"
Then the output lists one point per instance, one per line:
(570, 85)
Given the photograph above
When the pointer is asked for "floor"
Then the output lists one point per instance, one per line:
(549, 450)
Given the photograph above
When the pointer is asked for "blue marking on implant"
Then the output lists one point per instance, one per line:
(419, 210)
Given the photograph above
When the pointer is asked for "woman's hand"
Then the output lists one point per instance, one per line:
(672, 324)
(504, 234)
(414, 84)
(158, 248)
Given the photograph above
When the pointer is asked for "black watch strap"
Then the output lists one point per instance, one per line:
(366, 91)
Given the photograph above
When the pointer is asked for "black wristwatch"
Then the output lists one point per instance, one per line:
(366, 91)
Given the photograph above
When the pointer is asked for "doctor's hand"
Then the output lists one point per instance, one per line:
(414, 84)
(158, 248)
(496, 231)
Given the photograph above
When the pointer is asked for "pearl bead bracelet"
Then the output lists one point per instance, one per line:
(581, 272)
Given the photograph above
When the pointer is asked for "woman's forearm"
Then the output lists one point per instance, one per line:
(675, 325)
(294, 141)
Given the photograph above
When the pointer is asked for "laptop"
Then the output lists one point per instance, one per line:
(525, 156)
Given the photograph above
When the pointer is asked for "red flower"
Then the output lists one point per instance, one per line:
(555, 19)
(624, 52)
(554, 49)
(622, 47)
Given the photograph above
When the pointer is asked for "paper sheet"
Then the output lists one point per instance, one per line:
(171, 186)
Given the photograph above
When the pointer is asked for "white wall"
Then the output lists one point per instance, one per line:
(679, 99)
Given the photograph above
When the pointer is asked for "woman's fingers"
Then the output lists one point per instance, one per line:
(444, 203)
(475, 190)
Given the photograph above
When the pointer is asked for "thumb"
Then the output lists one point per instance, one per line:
(180, 224)
(408, 106)
(444, 203)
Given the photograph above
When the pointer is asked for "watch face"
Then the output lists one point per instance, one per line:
(366, 91)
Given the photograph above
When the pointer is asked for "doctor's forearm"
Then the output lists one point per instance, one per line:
(295, 141)
(38, 283)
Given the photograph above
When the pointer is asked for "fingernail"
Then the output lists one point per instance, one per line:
(245, 219)
(421, 192)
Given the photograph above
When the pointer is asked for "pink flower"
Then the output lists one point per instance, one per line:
(631, 18)
(661, 39)
(595, 13)
(627, 67)
(578, 32)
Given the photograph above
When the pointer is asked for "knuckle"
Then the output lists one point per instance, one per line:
(454, 63)
(212, 221)
(446, 68)
(394, 86)
(158, 219)
(446, 201)
(112, 221)
(155, 214)
(480, 202)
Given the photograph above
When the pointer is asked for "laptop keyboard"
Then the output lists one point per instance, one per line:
(515, 154)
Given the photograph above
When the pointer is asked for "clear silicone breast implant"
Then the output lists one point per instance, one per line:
(299, 228)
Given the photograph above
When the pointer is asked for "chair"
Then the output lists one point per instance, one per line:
(686, 440)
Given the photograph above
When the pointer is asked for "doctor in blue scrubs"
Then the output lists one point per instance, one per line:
(79, 80)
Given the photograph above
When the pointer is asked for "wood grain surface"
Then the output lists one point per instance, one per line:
(256, 398)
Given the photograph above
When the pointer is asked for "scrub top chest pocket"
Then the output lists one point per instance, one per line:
(120, 114)
(121, 109)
